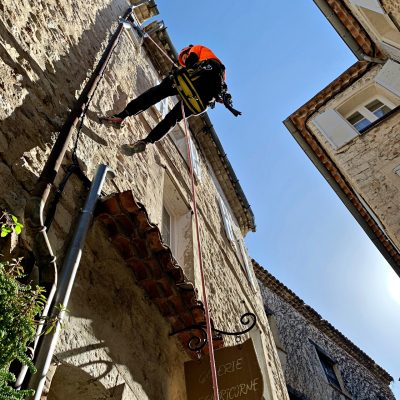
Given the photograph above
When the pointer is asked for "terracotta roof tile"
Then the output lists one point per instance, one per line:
(353, 26)
(139, 243)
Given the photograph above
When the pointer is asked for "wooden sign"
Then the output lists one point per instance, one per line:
(239, 375)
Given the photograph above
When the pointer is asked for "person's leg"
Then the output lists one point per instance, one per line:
(148, 98)
(170, 120)
(141, 103)
(159, 131)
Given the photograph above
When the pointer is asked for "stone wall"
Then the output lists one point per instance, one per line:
(114, 343)
(303, 371)
(367, 162)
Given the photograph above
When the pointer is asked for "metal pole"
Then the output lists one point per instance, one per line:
(66, 281)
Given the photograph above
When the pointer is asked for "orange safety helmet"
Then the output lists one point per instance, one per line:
(182, 53)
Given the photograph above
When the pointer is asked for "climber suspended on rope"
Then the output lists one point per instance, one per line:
(199, 82)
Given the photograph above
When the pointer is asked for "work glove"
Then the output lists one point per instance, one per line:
(227, 100)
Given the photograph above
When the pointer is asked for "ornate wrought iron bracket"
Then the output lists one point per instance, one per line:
(199, 338)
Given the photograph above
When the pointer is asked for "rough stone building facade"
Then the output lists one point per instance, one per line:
(319, 362)
(350, 129)
(138, 280)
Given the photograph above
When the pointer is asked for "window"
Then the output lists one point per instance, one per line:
(273, 326)
(237, 243)
(328, 367)
(162, 106)
(227, 219)
(357, 112)
(245, 262)
(295, 394)
(178, 137)
(166, 227)
(377, 108)
(368, 113)
(176, 226)
(359, 121)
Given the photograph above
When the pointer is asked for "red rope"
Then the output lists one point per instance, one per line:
(161, 49)
(207, 315)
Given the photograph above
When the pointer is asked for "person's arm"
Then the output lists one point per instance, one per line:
(226, 99)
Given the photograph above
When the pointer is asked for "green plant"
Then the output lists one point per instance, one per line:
(20, 305)
(20, 308)
(9, 223)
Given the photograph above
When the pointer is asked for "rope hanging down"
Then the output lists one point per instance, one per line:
(205, 302)
(207, 315)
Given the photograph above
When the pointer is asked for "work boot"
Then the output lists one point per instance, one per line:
(115, 122)
(131, 149)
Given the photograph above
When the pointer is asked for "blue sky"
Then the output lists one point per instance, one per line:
(278, 55)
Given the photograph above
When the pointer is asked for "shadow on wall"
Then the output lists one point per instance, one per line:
(49, 98)
(112, 322)
(70, 382)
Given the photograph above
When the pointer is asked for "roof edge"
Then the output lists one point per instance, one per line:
(340, 28)
(342, 195)
(311, 315)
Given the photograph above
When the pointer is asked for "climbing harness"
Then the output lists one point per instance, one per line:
(187, 92)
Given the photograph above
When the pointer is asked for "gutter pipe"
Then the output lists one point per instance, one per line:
(35, 205)
(231, 172)
(66, 281)
(43, 252)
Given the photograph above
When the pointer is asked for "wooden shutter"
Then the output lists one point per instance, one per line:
(372, 5)
(246, 263)
(195, 159)
(226, 217)
(335, 128)
(389, 77)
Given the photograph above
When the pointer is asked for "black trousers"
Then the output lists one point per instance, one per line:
(207, 83)
(151, 97)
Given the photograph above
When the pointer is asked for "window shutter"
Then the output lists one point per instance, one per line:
(372, 5)
(195, 159)
(162, 107)
(335, 128)
(389, 77)
(246, 263)
(227, 220)
(392, 51)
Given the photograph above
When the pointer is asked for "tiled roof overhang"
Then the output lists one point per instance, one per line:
(348, 27)
(139, 243)
(297, 125)
(322, 325)
(144, 11)
(204, 132)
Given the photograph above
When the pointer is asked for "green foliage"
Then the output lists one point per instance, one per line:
(9, 223)
(19, 306)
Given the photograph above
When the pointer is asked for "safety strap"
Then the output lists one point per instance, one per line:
(187, 92)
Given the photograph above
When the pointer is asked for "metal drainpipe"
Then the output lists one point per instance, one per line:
(34, 219)
(35, 205)
(66, 281)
